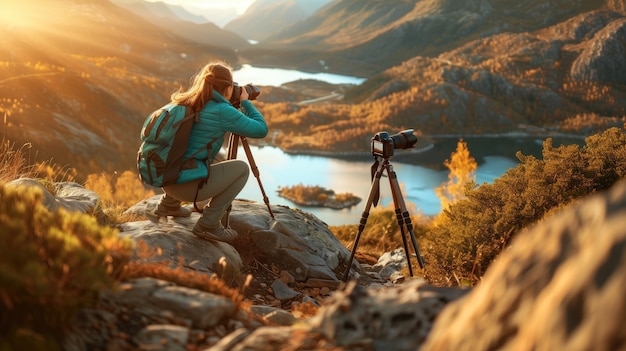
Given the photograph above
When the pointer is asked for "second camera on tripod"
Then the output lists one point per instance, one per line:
(383, 144)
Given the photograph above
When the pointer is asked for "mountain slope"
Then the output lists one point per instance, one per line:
(183, 23)
(357, 37)
(265, 17)
(569, 77)
(77, 78)
(160, 9)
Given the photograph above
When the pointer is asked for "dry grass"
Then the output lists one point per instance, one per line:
(12, 161)
(183, 277)
(19, 161)
(381, 234)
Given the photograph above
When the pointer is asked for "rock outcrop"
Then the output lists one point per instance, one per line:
(293, 241)
(604, 59)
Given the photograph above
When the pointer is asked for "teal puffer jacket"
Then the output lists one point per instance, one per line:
(216, 118)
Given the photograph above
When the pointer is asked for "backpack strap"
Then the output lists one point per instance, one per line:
(208, 167)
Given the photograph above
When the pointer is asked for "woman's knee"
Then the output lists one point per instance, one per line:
(239, 169)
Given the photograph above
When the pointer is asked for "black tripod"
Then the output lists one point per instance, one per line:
(404, 220)
(233, 144)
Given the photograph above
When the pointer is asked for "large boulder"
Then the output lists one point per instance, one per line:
(560, 286)
(293, 241)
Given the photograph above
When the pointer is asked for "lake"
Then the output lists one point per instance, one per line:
(417, 174)
(278, 76)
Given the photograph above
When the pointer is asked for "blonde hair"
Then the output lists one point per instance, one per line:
(213, 76)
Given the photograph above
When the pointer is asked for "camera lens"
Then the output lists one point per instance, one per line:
(404, 140)
(253, 91)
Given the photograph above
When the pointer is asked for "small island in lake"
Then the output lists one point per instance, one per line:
(317, 196)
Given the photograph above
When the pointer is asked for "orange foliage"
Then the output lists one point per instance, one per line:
(125, 190)
(462, 168)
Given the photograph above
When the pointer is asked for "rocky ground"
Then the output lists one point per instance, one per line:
(559, 286)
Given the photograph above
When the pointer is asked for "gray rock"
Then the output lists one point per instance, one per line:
(294, 241)
(230, 341)
(162, 337)
(205, 310)
(267, 338)
(282, 291)
(390, 263)
(70, 196)
(558, 287)
(393, 317)
(274, 315)
(171, 241)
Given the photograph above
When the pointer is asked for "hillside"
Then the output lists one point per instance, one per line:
(264, 17)
(568, 77)
(362, 37)
(184, 23)
(77, 78)
(574, 67)
(161, 10)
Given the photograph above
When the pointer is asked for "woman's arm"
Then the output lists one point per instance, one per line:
(248, 123)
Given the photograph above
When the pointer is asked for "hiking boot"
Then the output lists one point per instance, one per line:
(164, 211)
(212, 234)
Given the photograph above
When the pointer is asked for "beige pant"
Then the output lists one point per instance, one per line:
(226, 179)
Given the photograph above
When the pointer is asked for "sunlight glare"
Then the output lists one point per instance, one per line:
(19, 14)
(240, 6)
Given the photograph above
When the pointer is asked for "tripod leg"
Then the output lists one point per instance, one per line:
(233, 145)
(404, 241)
(396, 201)
(406, 219)
(368, 206)
(255, 171)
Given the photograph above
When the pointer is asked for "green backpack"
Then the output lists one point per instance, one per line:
(165, 134)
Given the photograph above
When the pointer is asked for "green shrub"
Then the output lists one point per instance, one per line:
(51, 264)
(471, 233)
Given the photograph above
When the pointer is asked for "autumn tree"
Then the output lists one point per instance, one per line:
(462, 168)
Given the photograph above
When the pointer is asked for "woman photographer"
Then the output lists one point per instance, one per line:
(210, 94)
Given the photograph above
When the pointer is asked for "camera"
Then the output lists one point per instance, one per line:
(253, 92)
(383, 144)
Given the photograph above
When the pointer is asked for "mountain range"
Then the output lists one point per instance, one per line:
(77, 77)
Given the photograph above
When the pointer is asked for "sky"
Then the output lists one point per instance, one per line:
(239, 5)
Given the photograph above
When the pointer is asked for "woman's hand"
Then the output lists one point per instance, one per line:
(244, 94)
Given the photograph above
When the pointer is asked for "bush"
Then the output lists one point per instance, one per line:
(51, 264)
(471, 233)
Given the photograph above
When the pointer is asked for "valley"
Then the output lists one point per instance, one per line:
(77, 82)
